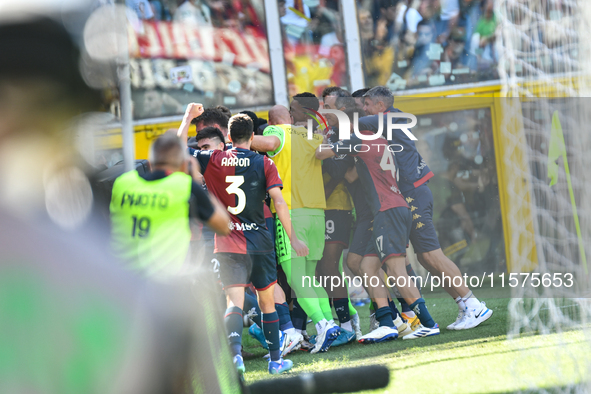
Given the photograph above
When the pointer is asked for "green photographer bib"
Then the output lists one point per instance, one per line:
(150, 221)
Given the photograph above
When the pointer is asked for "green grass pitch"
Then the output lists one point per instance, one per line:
(481, 360)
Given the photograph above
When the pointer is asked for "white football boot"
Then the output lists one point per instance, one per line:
(474, 317)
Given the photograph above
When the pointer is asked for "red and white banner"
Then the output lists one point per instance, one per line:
(178, 41)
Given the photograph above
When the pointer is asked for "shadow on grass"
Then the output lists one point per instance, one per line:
(569, 389)
(494, 329)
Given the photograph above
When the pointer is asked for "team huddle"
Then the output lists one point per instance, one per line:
(280, 206)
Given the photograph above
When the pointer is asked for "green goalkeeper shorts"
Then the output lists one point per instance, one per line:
(309, 227)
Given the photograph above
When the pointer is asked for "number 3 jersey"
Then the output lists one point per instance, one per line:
(240, 179)
(376, 168)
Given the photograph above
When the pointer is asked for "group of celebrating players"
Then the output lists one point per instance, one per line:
(285, 204)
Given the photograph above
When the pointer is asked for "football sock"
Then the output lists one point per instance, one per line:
(471, 301)
(393, 308)
(341, 307)
(250, 303)
(404, 306)
(423, 313)
(384, 316)
(285, 322)
(298, 316)
(233, 323)
(321, 325)
(347, 326)
(271, 331)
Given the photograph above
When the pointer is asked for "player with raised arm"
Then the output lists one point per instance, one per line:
(240, 178)
(414, 175)
(303, 191)
(391, 228)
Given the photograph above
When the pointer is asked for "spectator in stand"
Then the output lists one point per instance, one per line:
(469, 15)
(194, 13)
(447, 20)
(142, 8)
(455, 55)
(296, 21)
(483, 40)
(331, 39)
(339, 65)
(386, 25)
(161, 10)
(421, 63)
(325, 17)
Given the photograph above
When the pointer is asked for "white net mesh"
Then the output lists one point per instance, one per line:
(544, 68)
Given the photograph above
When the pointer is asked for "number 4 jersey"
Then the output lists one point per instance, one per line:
(240, 179)
(376, 168)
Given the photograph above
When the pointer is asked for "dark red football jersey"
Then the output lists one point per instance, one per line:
(376, 167)
(240, 179)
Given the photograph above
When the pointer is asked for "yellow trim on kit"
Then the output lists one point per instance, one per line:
(509, 163)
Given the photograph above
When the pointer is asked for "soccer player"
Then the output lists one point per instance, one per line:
(391, 228)
(339, 221)
(150, 213)
(240, 178)
(414, 175)
(300, 108)
(211, 117)
(210, 138)
(343, 167)
(304, 193)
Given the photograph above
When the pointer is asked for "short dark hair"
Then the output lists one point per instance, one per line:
(307, 99)
(343, 98)
(329, 91)
(210, 132)
(225, 110)
(211, 117)
(253, 117)
(381, 93)
(240, 128)
(360, 92)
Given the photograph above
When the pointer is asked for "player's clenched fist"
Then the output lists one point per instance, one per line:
(300, 248)
(194, 110)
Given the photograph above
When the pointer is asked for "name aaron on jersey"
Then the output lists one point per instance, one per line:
(235, 162)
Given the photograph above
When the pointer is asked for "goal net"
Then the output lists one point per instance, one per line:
(544, 52)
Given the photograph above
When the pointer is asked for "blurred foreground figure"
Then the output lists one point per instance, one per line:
(71, 319)
(150, 213)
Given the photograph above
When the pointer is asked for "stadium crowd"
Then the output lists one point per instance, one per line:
(280, 206)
